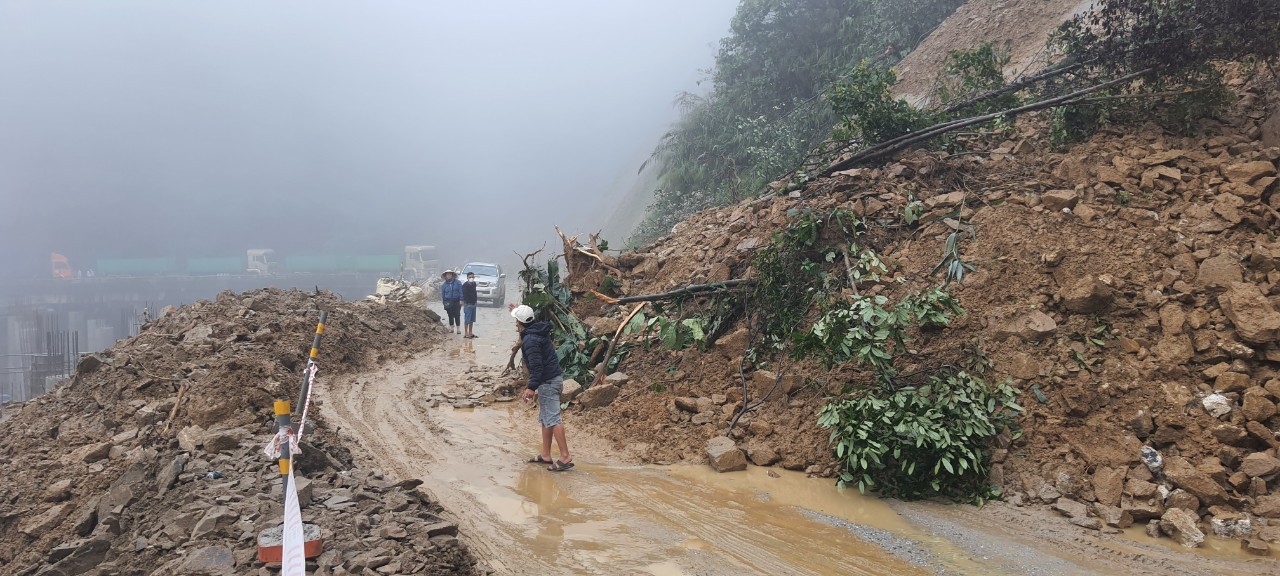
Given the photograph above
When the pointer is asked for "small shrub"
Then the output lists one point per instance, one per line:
(922, 442)
(869, 112)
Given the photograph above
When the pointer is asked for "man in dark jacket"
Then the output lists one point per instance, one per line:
(451, 294)
(469, 301)
(546, 382)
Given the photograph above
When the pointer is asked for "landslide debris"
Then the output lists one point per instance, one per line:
(1129, 287)
(149, 460)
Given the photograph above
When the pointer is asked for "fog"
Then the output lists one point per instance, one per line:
(162, 128)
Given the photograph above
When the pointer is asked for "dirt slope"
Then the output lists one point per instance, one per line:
(149, 460)
(1024, 24)
(1163, 247)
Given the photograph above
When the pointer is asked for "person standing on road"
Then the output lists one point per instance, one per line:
(451, 294)
(469, 300)
(546, 382)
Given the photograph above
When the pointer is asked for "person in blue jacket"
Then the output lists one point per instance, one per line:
(451, 294)
(546, 381)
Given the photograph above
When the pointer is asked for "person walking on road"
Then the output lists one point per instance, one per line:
(546, 382)
(469, 300)
(451, 294)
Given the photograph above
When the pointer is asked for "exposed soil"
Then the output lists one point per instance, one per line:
(1025, 26)
(149, 461)
(1160, 247)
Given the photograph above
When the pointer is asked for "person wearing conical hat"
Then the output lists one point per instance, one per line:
(451, 294)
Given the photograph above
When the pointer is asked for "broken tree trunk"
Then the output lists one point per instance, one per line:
(604, 364)
(694, 289)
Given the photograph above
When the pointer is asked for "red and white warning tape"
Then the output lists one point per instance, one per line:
(293, 559)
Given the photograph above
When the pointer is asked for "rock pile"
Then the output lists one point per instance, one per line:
(149, 460)
(1130, 287)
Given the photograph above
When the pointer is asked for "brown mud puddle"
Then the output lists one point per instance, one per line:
(610, 516)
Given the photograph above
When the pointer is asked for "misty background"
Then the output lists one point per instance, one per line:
(160, 128)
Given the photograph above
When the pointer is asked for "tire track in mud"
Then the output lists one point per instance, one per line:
(605, 517)
(609, 516)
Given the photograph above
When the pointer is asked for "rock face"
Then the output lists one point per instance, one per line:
(724, 455)
(1181, 525)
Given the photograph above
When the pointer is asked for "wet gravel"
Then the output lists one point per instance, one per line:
(902, 547)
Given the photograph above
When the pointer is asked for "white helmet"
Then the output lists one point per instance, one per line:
(523, 314)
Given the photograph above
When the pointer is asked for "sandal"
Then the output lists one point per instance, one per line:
(559, 466)
(540, 460)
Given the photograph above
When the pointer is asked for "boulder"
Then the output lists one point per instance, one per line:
(570, 391)
(687, 404)
(1231, 382)
(1108, 485)
(1113, 516)
(190, 438)
(1057, 200)
(79, 557)
(1248, 172)
(1183, 475)
(1219, 272)
(1255, 546)
(1267, 506)
(36, 526)
(1229, 434)
(58, 491)
(1216, 405)
(1087, 295)
(209, 561)
(762, 453)
(1254, 317)
(617, 378)
(221, 441)
(1182, 526)
(1142, 509)
(733, 344)
(1031, 326)
(1182, 499)
(1070, 508)
(724, 455)
(1260, 465)
(760, 428)
(1256, 406)
(599, 396)
(214, 519)
(1229, 523)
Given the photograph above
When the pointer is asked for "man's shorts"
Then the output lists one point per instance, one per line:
(469, 314)
(549, 401)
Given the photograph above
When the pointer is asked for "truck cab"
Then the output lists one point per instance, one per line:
(421, 263)
(261, 261)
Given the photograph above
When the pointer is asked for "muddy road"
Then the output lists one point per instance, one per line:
(612, 516)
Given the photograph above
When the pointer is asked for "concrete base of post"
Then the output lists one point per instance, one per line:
(271, 543)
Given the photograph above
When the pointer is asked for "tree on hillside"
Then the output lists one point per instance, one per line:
(764, 112)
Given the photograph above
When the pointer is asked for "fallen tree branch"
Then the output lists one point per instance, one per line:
(182, 391)
(1011, 87)
(896, 145)
(604, 364)
(606, 299)
(687, 290)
